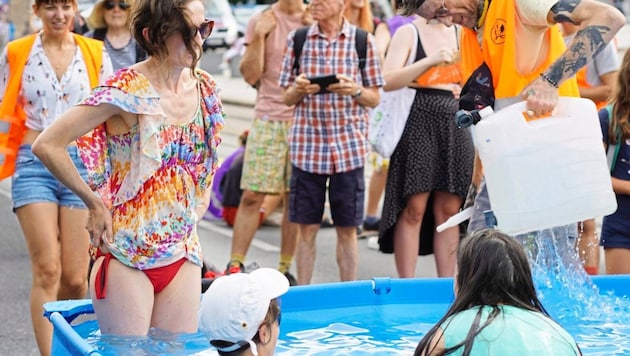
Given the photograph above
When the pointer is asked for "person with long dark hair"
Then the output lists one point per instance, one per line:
(615, 234)
(496, 310)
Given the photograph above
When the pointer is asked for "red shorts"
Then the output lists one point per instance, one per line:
(159, 277)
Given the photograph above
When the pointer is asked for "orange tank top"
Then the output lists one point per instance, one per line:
(441, 73)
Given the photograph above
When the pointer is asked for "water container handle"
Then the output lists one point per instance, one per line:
(465, 118)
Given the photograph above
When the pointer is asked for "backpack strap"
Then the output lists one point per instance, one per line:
(298, 43)
(99, 34)
(612, 152)
(360, 44)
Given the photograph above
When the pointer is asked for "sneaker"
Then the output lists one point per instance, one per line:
(234, 269)
(327, 222)
(372, 243)
(371, 223)
(291, 278)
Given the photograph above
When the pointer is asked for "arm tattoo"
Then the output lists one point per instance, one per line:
(587, 44)
(563, 9)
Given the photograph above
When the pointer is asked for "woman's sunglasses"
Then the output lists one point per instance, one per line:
(205, 29)
(110, 5)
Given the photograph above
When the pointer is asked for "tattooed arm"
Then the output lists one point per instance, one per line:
(598, 24)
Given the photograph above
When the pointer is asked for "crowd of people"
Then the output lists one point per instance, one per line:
(110, 139)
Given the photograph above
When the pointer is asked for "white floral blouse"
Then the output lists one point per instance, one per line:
(45, 97)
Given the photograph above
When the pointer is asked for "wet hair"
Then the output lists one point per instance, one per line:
(46, 2)
(273, 313)
(621, 103)
(96, 20)
(409, 7)
(493, 270)
(163, 19)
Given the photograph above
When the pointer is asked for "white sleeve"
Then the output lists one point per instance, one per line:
(607, 60)
(534, 12)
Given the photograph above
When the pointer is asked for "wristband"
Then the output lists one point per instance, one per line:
(549, 80)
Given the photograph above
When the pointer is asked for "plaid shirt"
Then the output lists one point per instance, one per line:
(329, 131)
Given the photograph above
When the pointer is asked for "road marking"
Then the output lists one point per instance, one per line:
(227, 233)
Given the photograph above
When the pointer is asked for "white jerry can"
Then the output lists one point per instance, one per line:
(545, 172)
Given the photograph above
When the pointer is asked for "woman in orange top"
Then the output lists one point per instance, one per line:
(433, 156)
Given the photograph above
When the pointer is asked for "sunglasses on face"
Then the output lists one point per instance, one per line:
(205, 29)
(442, 12)
(110, 5)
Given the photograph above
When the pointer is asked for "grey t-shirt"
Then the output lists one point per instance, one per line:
(121, 57)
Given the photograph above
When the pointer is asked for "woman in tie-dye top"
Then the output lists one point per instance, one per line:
(148, 138)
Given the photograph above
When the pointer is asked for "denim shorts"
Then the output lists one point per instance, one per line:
(346, 193)
(33, 183)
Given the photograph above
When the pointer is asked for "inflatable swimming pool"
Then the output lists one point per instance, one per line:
(383, 315)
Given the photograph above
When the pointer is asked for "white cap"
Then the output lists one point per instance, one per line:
(234, 306)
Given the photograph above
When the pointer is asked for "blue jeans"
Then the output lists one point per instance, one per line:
(33, 183)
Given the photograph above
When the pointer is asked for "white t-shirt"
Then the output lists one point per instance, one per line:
(534, 12)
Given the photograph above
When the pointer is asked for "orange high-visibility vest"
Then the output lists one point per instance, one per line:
(12, 115)
(499, 50)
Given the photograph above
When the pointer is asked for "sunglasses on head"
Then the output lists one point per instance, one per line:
(205, 29)
(110, 5)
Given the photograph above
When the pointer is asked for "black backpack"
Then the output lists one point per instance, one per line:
(360, 44)
(99, 34)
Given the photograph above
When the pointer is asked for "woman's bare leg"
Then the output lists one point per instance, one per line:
(445, 243)
(407, 235)
(39, 222)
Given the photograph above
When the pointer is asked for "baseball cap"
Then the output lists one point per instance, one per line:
(234, 306)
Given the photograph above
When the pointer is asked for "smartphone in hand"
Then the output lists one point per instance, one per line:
(324, 82)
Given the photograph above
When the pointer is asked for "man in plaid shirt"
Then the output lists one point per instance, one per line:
(328, 139)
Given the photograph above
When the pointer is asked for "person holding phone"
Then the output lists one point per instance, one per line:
(328, 141)
(266, 166)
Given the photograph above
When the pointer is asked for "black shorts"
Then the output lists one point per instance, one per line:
(346, 193)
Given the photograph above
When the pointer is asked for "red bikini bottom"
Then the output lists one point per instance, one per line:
(159, 277)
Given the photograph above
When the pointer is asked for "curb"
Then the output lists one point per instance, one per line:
(236, 101)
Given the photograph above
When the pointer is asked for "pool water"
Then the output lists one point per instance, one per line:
(600, 329)
(599, 323)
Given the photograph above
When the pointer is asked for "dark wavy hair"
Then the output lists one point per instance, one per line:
(493, 270)
(621, 103)
(409, 7)
(163, 19)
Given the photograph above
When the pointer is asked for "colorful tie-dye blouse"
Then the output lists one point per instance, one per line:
(153, 176)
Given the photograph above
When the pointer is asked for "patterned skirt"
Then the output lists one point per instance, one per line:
(433, 154)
